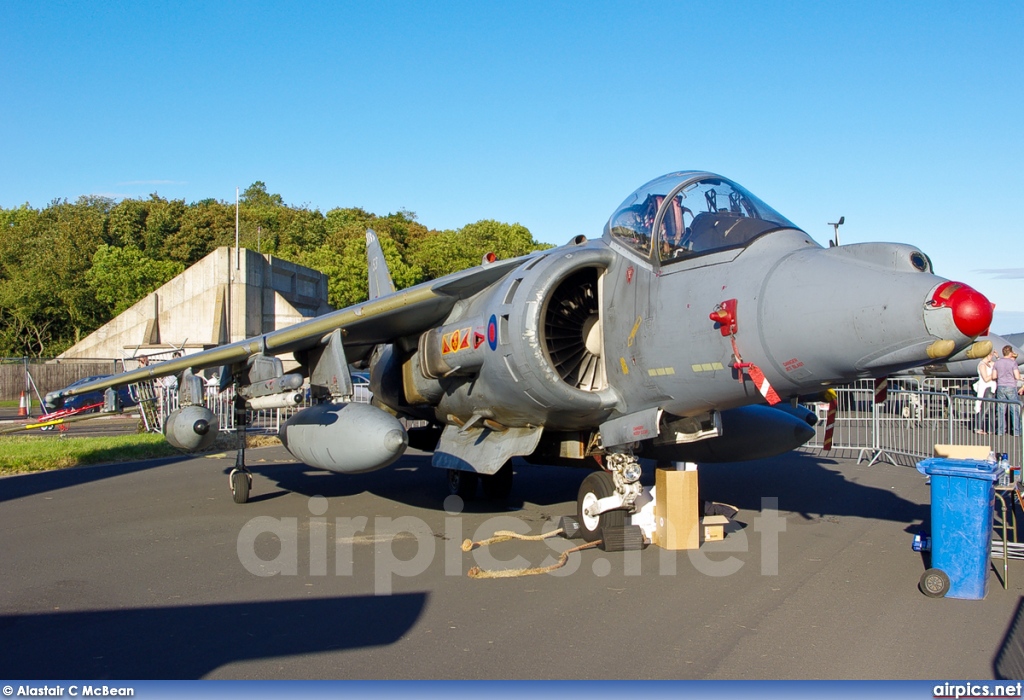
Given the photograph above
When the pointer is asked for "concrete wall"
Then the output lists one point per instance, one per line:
(220, 299)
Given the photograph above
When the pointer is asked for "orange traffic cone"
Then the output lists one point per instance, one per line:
(23, 407)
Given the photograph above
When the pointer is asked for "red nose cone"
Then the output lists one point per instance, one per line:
(972, 312)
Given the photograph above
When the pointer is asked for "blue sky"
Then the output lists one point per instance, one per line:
(903, 117)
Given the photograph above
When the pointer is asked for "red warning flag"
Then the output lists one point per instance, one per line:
(830, 424)
(881, 389)
(762, 384)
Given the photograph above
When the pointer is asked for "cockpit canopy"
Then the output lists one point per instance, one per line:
(693, 213)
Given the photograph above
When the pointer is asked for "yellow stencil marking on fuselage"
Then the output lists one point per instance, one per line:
(632, 333)
(625, 367)
(661, 371)
(707, 367)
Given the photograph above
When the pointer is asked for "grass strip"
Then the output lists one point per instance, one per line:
(21, 454)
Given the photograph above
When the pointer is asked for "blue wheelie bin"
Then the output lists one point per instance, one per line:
(963, 498)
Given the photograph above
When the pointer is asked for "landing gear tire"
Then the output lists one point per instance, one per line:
(595, 487)
(934, 583)
(241, 484)
(498, 486)
(462, 484)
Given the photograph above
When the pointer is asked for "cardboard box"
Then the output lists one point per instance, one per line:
(963, 451)
(676, 509)
(713, 527)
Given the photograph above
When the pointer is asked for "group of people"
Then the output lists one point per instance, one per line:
(998, 377)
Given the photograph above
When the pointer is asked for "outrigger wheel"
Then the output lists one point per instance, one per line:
(240, 478)
(241, 483)
(595, 487)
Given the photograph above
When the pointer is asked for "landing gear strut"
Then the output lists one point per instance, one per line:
(496, 486)
(240, 478)
(462, 484)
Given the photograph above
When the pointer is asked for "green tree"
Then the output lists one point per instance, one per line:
(256, 195)
(120, 277)
(68, 268)
(45, 303)
(127, 223)
(347, 272)
(331, 261)
(451, 251)
(202, 228)
(163, 221)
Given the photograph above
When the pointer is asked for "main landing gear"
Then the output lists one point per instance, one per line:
(496, 487)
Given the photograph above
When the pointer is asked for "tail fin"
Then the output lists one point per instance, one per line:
(380, 278)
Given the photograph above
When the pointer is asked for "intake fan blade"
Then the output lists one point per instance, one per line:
(572, 315)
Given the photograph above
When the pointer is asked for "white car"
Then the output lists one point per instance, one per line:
(361, 387)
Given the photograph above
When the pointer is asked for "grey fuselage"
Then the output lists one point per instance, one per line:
(597, 332)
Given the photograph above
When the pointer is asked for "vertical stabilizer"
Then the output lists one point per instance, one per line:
(380, 278)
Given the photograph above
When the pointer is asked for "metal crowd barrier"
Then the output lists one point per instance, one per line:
(157, 402)
(914, 417)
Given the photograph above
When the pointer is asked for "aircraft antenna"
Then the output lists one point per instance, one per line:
(835, 227)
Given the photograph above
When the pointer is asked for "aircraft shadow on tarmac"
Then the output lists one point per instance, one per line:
(22, 485)
(189, 642)
(1009, 661)
(802, 482)
(414, 482)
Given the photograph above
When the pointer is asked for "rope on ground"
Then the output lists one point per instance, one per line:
(505, 536)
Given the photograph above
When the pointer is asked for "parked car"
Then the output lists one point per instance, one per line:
(361, 387)
(92, 397)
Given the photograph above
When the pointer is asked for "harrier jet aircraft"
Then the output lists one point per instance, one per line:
(665, 338)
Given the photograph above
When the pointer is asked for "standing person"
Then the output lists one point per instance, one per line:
(167, 388)
(985, 388)
(1007, 375)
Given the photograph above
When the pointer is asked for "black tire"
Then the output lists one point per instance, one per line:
(462, 484)
(934, 583)
(597, 486)
(240, 485)
(498, 486)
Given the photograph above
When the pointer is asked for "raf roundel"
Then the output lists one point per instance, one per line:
(492, 332)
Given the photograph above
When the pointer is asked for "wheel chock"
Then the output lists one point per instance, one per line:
(622, 539)
(570, 527)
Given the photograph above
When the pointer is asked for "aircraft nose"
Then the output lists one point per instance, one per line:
(972, 311)
(897, 315)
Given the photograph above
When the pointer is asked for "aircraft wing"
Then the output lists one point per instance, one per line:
(363, 326)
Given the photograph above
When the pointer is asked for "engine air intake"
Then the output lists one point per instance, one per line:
(572, 331)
